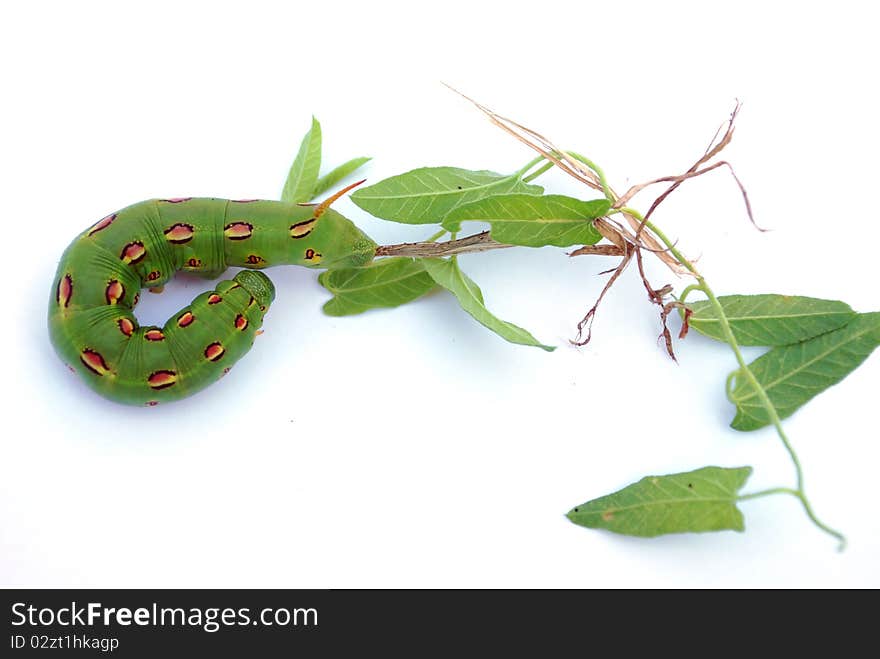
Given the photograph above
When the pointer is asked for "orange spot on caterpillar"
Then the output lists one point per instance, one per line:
(125, 326)
(65, 291)
(185, 319)
(258, 332)
(251, 302)
(151, 403)
(238, 230)
(102, 224)
(302, 229)
(176, 200)
(254, 259)
(137, 298)
(194, 263)
(178, 234)
(93, 361)
(241, 322)
(133, 252)
(162, 379)
(213, 298)
(214, 352)
(153, 275)
(311, 254)
(154, 335)
(263, 308)
(114, 292)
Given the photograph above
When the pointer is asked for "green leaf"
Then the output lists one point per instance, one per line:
(335, 176)
(531, 221)
(386, 283)
(303, 173)
(449, 276)
(792, 375)
(770, 320)
(690, 502)
(426, 195)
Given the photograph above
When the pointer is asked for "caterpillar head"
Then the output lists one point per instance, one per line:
(327, 239)
(340, 244)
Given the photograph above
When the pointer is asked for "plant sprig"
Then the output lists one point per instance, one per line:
(644, 223)
(813, 344)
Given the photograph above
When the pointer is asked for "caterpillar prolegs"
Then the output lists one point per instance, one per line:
(91, 322)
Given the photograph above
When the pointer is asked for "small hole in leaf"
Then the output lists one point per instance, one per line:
(691, 485)
(459, 187)
(575, 509)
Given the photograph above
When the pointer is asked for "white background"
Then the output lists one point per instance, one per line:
(411, 447)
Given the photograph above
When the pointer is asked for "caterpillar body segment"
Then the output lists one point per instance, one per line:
(101, 274)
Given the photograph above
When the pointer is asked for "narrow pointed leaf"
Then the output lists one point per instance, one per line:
(304, 171)
(470, 297)
(690, 502)
(792, 375)
(335, 176)
(385, 283)
(534, 221)
(426, 195)
(770, 320)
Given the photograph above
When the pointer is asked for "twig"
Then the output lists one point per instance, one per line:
(479, 242)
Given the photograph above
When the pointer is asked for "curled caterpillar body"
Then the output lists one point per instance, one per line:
(100, 275)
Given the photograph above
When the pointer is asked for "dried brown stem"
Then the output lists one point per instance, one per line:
(479, 242)
(638, 240)
(599, 250)
(540, 144)
(586, 324)
(657, 295)
(715, 147)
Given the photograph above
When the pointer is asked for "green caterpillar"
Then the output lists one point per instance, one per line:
(96, 287)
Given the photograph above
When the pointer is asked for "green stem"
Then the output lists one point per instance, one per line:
(436, 236)
(744, 370)
(809, 510)
(687, 291)
(728, 385)
(538, 172)
(798, 494)
(609, 193)
(765, 493)
(753, 381)
(521, 172)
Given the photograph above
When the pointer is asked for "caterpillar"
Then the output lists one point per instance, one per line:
(101, 273)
